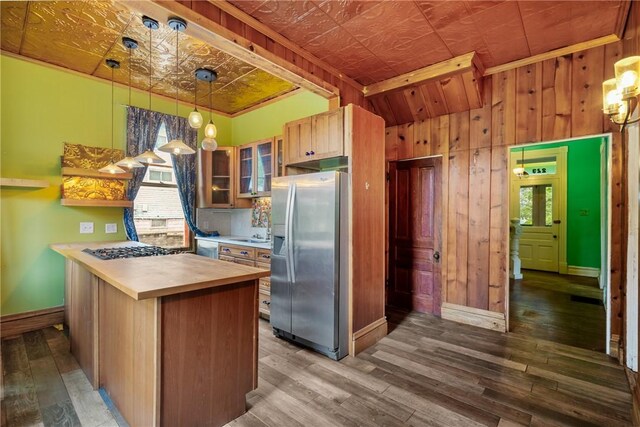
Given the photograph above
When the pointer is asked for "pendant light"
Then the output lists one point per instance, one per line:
(177, 146)
(112, 168)
(129, 162)
(195, 118)
(209, 143)
(520, 171)
(149, 156)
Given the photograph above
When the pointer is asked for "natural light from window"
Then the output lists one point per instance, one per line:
(158, 213)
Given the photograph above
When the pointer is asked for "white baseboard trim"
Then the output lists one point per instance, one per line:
(474, 316)
(583, 271)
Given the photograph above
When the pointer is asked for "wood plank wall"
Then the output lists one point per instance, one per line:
(348, 93)
(550, 100)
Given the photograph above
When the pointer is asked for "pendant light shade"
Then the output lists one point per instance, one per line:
(129, 162)
(112, 168)
(209, 144)
(195, 119)
(150, 157)
(177, 145)
(210, 131)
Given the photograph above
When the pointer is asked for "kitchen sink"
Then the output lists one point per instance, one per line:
(250, 240)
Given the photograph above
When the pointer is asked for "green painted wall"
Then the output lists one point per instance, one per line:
(41, 108)
(267, 121)
(583, 193)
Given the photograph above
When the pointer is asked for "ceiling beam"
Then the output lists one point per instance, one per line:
(450, 67)
(231, 43)
(249, 20)
(567, 50)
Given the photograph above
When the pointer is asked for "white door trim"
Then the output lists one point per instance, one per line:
(633, 191)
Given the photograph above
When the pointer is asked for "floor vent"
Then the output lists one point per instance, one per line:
(586, 300)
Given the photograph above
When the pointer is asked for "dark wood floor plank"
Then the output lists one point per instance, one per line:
(36, 345)
(21, 401)
(61, 414)
(14, 356)
(50, 387)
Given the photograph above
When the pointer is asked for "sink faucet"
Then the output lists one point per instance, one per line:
(268, 234)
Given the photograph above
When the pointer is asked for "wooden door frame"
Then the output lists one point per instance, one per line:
(561, 162)
(633, 250)
(607, 249)
(442, 237)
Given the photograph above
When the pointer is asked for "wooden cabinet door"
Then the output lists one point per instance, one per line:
(246, 171)
(215, 184)
(263, 168)
(297, 141)
(327, 135)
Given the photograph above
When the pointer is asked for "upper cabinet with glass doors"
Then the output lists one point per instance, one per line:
(255, 169)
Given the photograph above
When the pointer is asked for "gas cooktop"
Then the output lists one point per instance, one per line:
(130, 252)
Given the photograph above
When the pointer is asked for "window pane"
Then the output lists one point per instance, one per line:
(526, 205)
(154, 175)
(548, 215)
(167, 176)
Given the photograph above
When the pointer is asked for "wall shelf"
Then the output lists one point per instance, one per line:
(97, 203)
(68, 171)
(26, 183)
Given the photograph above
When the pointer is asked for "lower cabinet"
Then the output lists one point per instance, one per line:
(252, 257)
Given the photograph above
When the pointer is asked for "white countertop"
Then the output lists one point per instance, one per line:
(233, 240)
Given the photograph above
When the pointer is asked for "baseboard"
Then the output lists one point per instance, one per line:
(635, 393)
(474, 316)
(368, 336)
(614, 346)
(16, 324)
(575, 270)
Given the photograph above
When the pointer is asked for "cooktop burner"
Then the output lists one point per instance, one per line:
(130, 252)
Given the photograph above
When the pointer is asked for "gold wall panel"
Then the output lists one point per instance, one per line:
(82, 188)
(80, 35)
(82, 156)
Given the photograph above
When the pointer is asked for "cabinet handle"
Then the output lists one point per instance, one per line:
(244, 253)
(266, 256)
(312, 152)
(307, 153)
(226, 250)
(267, 303)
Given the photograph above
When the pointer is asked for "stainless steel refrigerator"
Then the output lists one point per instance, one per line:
(309, 261)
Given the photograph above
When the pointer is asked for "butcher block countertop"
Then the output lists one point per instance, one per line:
(158, 276)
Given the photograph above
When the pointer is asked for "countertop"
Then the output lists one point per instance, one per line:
(158, 276)
(233, 241)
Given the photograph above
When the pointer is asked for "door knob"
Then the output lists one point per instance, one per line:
(436, 256)
(555, 236)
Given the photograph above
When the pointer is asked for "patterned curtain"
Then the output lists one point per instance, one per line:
(184, 167)
(142, 131)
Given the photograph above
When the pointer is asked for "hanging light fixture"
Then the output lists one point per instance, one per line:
(209, 142)
(112, 168)
(195, 118)
(619, 93)
(177, 146)
(520, 171)
(149, 156)
(129, 162)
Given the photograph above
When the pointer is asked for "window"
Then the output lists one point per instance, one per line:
(157, 210)
(536, 205)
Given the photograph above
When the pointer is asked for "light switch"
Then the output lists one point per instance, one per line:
(86, 228)
(111, 228)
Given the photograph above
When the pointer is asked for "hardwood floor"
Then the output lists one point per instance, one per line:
(560, 308)
(426, 372)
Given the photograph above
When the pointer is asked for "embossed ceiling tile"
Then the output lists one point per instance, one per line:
(475, 6)
(239, 96)
(247, 6)
(54, 16)
(343, 10)
(423, 51)
(280, 14)
(502, 30)
(463, 37)
(384, 17)
(136, 30)
(314, 23)
(40, 46)
(327, 44)
(207, 57)
(12, 14)
(442, 13)
(265, 83)
(231, 70)
(402, 33)
(504, 14)
(107, 14)
(376, 74)
(167, 88)
(10, 39)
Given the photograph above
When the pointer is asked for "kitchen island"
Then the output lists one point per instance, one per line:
(172, 339)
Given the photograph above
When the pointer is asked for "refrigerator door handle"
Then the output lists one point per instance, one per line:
(287, 236)
(292, 203)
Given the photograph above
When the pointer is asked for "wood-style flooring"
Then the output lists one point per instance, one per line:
(558, 308)
(426, 372)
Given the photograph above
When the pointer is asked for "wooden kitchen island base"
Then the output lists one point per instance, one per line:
(171, 351)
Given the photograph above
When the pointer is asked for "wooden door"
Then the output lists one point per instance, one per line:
(327, 135)
(263, 167)
(297, 143)
(415, 228)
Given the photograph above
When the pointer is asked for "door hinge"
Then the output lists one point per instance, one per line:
(388, 177)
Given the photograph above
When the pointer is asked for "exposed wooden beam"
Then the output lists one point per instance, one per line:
(227, 7)
(589, 44)
(438, 71)
(229, 42)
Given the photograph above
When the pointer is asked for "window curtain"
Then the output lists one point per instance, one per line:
(184, 167)
(142, 131)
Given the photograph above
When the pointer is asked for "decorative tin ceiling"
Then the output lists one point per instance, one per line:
(372, 40)
(80, 35)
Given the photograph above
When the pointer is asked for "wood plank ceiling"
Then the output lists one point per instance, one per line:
(80, 35)
(372, 41)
